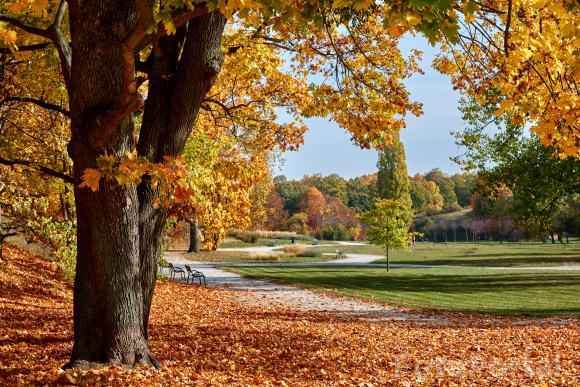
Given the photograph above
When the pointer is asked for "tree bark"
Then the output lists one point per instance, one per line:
(193, 237)
(118, 228)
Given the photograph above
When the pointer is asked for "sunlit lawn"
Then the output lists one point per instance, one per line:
(234, 243)
(513, 292)
(250, 257)
(477, 254)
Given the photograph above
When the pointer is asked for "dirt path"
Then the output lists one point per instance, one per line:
(265, 293)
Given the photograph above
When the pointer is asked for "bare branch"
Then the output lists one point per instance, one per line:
(25, 27)
(37, 102)
(506, 33)
(31, 47)
(62, 45)
(60, 13)
(40, 168)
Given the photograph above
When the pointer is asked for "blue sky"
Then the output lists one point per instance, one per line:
(428, 143)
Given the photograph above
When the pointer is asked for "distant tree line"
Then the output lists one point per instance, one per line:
(515, 188)
(459, 207)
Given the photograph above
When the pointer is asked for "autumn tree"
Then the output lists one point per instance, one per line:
(313, 204)
(392, 177)
(445, 184)
(361, 192)
(464, 185)
(298, 223)
(291, 192)
(425, 195)
(341, 221)
(331, 185)
(275, 212)
(110, 54)
(36, 201)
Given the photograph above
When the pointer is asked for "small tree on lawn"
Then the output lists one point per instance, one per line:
(388, 224)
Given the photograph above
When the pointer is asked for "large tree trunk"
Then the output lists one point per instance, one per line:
(193, 237)
(171, 109)
(108, 303)
(118, 228)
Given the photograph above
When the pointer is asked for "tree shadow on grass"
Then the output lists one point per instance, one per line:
(393, 287)
(507, 261)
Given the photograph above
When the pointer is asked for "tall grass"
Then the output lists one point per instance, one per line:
(253, 236)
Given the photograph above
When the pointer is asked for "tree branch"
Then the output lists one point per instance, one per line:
(41, 168)
(180, 18)
(129, 100)
(52, 33)
(506, 33)
(25, 27)
(62, 45)
(31, 47)
(38, 102)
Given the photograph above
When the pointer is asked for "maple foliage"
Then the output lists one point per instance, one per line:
(527, 51)
(219, 186)
(274, 213)
(242, 344)
(35, 187)
(313, 204)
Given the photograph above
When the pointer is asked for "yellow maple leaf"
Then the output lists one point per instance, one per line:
(91, 179)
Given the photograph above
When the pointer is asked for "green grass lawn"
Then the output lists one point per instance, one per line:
(477, 254)
(244, 256)
(234, 243)
(513, 292)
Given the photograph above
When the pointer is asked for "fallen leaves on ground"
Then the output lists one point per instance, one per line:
(206, 336)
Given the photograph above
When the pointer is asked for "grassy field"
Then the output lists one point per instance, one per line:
(244, 256)
(513, 292)
(477, 254)
(235, 243)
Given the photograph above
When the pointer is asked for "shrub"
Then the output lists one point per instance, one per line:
(453, 207)
(265, 255)
(295, 249)
(253, 236)
(310, 254)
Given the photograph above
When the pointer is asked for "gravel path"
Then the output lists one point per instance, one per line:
(265, 293)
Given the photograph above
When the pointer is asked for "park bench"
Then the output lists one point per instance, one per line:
(174, 270)
(193, 274)
(271, 243)
(340, 254)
